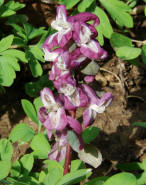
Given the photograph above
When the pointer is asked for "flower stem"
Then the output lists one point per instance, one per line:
(68, 152)
(67, 159)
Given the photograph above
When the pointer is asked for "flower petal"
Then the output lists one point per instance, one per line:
(89, 117)
(84, 17)
(90, 93)
(89, 78)
(77, 58)
(74, 124)
(47, 97)
(93, 50)
(57, 120)
(42, 114)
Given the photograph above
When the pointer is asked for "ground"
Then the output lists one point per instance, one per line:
(119, 140)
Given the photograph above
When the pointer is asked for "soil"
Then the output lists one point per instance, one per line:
(119, 140)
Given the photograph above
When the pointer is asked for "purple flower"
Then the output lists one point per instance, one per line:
(77, 99)
(63, 27)
(53, 115)
(95, 106)
(58, 151)
(77, 58)
(84, 17)
(89, 78)
(88, 47)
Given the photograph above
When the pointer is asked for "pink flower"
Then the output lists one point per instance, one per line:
(89, 78)
(95, 106)
(88, 47)
(53, 115)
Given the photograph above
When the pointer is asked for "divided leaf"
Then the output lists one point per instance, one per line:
(69, 4)
(5, 166)
(84, 4)
(41, 146)
(128, 53)
(122, 178)
(118, 40)
(119, 11)
(91, 155)
(89, 134)
(6, 150)
(30, 110)
(21, 133)
(35, 66)
(104, 26)
(27, 163)
(6, 42)
(74, 177)
(16, 169)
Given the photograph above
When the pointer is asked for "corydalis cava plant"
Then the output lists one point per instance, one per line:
(75, 45)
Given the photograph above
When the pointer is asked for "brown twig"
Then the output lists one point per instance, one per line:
(68, 151)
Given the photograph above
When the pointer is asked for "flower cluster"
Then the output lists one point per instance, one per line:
(72, 45)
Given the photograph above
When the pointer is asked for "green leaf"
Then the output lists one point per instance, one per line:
(37, 103)
(130, 166)
(6, 42)
(100, 36)
(122, 178)
(76, 165)
(27, 163)
(74, 177)
(53, 164)
(119, 11)
(13, 62)
(145, 10)
(91, 69)
(73, 140)
(140, 124)
(104, 25)
(89, 134)
(53, 177)
(42, 175)
(5, 166)
(118, 40)
(90, 155)
(22, 133)
(128, 53)
(37, 53)
(1, 2)
(15, 5)
(16, 169)
(144, 54)
(97, 181)
(19, 31)
(41, 146)
(18, 18)
(84, 4)
(6, 150)
(19, 42)
(69, 4)
(7, 73)
(33, 88)
(32, 32)
(20, 55)
(29, 110)
(35, 66)
(141, 179)
(4, 12)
